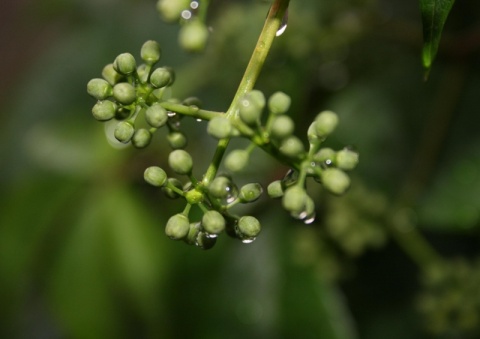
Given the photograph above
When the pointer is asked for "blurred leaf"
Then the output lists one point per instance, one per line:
(434, 14)
(453, 203)
(110, 270)
(313, 308)
(27, 219)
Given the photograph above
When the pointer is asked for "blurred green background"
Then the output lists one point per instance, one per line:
(82, 248)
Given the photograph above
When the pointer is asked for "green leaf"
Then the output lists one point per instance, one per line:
(434, 15)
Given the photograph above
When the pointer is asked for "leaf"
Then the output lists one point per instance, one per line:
(434, 14)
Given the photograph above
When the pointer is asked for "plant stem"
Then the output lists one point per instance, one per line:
(264, 43)
(190, 111)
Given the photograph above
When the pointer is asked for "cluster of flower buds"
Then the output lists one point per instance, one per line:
(136, 97)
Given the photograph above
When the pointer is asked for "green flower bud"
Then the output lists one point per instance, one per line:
(124, 131)
(104, 110)
(155, 176)
(194, 197)
(325, 156)
(161, 77)
(249, 226)
(193, 233)
(180, 162)
(251, 106)
(275, 189)
(213, 222)
(143, 73)
(111, 75)
(124, 93)
(237, 160)
(325, 123)
(99, 89)
(282, 127)
(346, 159)
(156, 115)
(279, 103)
(257, 98)
(219, 127)
(141, 138)
(177, 227)
(219, 187)
(167, 188)
(125, 64)
(292, 147)
(335, 180)
(294, 199)
(250, 192)
(193, 36)
(171, 10)
(177, 140)
(150, 52)
(312, 136)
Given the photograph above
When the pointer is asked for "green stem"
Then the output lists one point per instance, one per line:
(264, 43)
(190, 111)
(203, 10)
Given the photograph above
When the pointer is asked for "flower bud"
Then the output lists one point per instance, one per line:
(237, 160)
(177, 140)
(156, 115)
(325, 123)
(99, 89)
(104, 110)
(180, 162)
(346, 159)
(125, 64)
(213, 222)
(177, 227)
(250, 192)
(155, 176)
(294, 199)
(282, 127)
(249, 226)
(124, 93)
(279, 103)
(275, 189)
(335, 180)
(150, 52)
(111, 75)
(219, 127)
(193, 36)
(292, 147)
(141, 138)
(124, 131)
(161, 77)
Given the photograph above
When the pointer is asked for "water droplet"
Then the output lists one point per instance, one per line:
(248, 240)
(194, 5)
(211, 235)
(171, 114)
(199, 120)
(186, 14)
(283, 25)
(232, 193)
(290, 178)
(309, 219)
